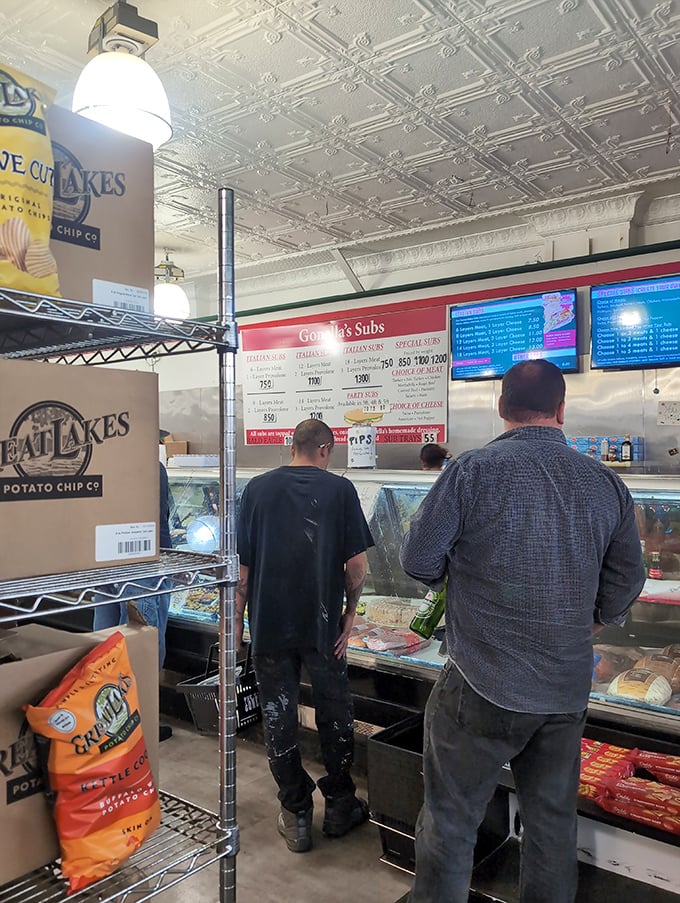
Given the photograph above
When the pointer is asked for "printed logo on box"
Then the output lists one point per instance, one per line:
(17, 107)
(19, 764)
(74, 188)
(49, 448)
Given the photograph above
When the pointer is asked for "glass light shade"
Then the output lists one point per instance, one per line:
(170, 300)
(122, 91)
(203, 534)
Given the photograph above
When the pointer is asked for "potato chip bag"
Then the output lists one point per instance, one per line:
(26, 186)
(89, 735)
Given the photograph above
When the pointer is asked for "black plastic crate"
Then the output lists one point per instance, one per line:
(395, 795)
(395, 774)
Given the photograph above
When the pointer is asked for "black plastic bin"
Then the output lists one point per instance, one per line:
(395, 795)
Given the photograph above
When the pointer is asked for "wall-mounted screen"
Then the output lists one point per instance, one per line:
(636, 324)
(488, 338)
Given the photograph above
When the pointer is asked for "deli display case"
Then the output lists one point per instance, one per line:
(391, 667)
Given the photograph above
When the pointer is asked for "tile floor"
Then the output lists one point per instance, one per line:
(334, 871)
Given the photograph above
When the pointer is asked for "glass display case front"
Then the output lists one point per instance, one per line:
(636, 668)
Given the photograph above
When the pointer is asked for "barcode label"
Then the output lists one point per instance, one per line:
(121, 296)
(122, 542)
(134, 546)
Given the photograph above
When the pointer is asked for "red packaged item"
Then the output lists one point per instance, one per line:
(602, 763)
(664, 767)
(646, 815)
(650, 793)
(89, 735)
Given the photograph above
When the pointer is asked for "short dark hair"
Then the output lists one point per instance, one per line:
(433, 455)
(310, 435)
(531, 390)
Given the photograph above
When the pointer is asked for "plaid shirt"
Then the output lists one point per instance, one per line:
(539, 542)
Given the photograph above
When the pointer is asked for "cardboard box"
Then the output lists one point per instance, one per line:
(102, 221)
(176, 447)
(79, 472)
(29, 838)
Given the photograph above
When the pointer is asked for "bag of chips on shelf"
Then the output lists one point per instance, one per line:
(97, 776)
(26, 185)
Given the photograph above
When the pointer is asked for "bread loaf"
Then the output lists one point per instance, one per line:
(665, 665)
(391, 611)
(643, 685)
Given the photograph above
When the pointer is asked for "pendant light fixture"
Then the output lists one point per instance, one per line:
(118, 87)
(169, 298)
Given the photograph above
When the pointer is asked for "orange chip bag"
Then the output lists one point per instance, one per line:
(88, 729)
(26, 185)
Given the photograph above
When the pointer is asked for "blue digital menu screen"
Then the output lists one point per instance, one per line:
(636, 324)
(487, 339)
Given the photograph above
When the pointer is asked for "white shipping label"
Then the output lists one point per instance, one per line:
(120, 296)
(120, 542)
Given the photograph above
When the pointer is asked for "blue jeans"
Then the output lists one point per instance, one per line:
(467, 741)
(154, 610)
(278, 678)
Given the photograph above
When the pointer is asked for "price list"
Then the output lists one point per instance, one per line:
(631, 333)
(387, 370)
(494, 335)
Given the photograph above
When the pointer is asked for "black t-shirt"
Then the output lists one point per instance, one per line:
(297, 528)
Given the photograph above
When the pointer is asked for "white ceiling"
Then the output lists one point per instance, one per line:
(342, 122)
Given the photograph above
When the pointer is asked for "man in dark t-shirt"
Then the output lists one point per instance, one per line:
(302, 540)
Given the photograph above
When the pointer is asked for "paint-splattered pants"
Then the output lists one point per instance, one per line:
(279, 682)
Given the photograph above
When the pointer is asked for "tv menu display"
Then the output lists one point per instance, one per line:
(636, 324)
(488, 338)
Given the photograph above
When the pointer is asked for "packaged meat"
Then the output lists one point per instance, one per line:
(396, 640)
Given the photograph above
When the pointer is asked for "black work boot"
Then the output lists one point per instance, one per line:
(343, 813)
(296, 829)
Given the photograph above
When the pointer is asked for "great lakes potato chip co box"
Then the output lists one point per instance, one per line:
(79, 472)
(102, 221)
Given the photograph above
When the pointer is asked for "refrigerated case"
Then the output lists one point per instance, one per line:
(401, 675)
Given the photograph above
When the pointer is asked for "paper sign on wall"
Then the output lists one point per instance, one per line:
(361, 450)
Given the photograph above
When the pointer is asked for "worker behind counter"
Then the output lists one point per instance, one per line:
(434, 457)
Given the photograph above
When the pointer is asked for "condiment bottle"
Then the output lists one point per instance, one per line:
(626, 449)
(655, 570)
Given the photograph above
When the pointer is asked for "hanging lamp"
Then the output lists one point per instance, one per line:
(118, 88)
(169, 298)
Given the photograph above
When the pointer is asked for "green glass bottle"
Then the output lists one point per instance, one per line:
(429, 613)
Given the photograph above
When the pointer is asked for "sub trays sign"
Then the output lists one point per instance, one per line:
(49, 451)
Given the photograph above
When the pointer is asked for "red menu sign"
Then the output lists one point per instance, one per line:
(387, 369)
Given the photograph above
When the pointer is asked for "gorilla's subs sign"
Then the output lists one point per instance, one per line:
(388, 369)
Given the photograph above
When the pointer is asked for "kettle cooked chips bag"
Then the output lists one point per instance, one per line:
(89, 735)
(26, 186)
